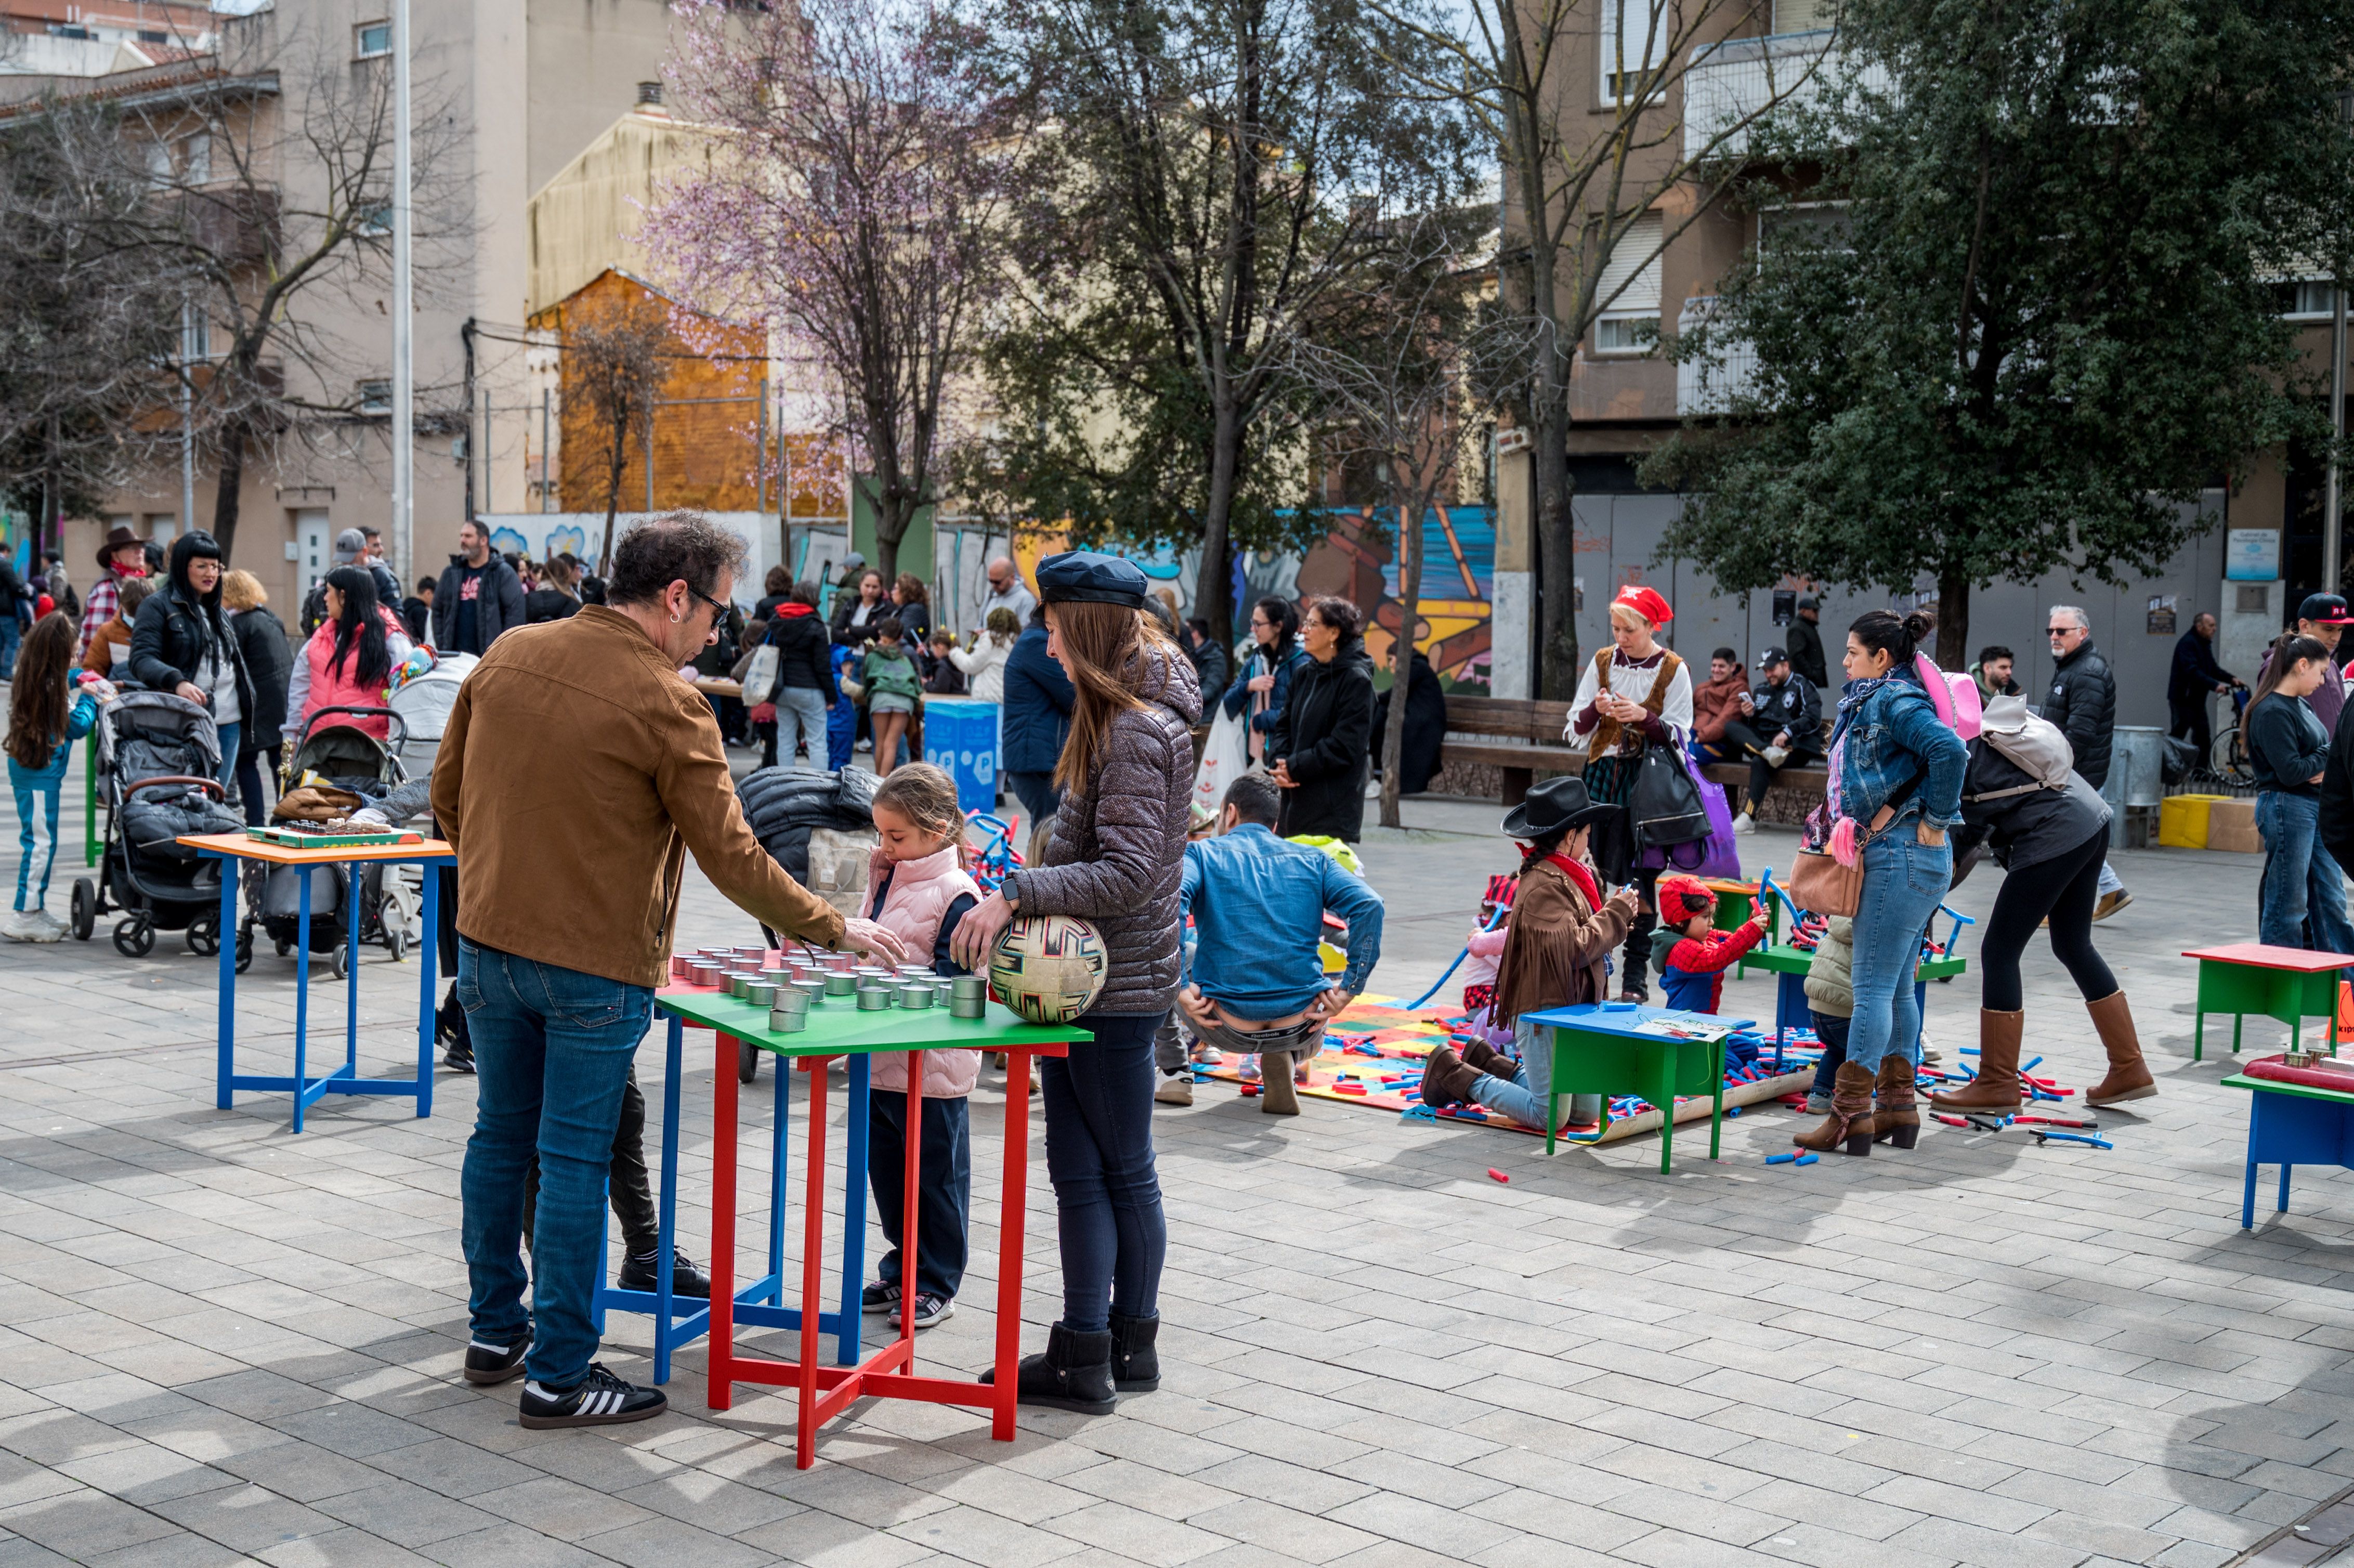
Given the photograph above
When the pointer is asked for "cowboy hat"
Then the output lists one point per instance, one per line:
(115, 541)
(1553, 806)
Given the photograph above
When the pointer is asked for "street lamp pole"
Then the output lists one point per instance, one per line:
(2332, 529)
(404, 365)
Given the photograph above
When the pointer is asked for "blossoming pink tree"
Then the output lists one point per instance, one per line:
(853, 207)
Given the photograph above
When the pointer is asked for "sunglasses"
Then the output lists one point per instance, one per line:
(2060, 631)
(718, 610)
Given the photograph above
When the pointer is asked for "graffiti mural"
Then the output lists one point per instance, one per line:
(1355, 560)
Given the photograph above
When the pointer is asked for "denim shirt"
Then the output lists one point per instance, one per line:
(1258, 906)
(1889, 738)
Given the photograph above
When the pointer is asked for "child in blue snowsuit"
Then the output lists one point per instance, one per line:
(44, 718)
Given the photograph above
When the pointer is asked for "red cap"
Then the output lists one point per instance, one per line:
(1680, 897)
(1645, 602)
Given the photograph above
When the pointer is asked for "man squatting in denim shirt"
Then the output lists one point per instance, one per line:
(1256, 983)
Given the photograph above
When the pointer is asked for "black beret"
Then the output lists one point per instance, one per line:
(1091, 577)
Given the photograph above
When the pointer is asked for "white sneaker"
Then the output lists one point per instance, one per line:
(19, 926)
(33, 925)
(1175, 1089)
(1741, 824)
(50, 922)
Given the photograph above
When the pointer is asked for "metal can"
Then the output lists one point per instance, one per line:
(791, 997)
(838, 984)
(786, 1020)
(964, 1007)
(915, 994)
(967, 988)
(808, 987)
(761, 993)
(681, 966)
(873, 998)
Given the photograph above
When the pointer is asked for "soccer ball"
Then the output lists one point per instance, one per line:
(1048, 967)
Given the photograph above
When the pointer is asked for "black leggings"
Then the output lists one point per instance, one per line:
(2065, 889)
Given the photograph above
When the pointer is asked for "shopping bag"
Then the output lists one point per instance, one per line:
(1717, 855)
(760, 675)
(1223, 759)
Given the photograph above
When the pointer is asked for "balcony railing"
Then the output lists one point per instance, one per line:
(1731, 82)
(1705, 388)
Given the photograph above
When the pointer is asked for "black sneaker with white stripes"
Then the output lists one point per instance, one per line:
(488, 1365)
(880, 1296)
(600, 1399)
(930, 1310)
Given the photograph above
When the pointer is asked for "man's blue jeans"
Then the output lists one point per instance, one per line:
(2300, 877)
(552, 1051)
(1904, 882)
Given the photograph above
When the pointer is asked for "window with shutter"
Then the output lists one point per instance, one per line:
(1629, 321)
(1634, 40)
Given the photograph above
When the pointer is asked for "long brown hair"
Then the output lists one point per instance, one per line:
(1100, 644)
(2290, 648)
(38, 703)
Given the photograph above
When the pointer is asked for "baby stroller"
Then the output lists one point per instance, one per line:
(348, 757)
(159, 763)
(423, 703)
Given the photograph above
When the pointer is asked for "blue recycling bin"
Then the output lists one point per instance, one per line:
(961, 737)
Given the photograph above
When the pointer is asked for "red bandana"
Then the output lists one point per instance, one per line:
(1577, 872)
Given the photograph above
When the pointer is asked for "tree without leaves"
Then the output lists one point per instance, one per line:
(1385, 376)
(614, 365)
(2045, 321)
(1217, 168)
(856, 209)
(1582, 171)
(93, 320)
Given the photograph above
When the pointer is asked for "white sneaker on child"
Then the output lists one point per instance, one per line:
(20, 926)
(1742, 824)
(46, 927)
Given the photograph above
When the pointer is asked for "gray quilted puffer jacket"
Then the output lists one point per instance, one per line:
(1119, 852)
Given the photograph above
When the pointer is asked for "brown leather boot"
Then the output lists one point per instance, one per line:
(1445, 1079)
(1850, 1123)
(1995, 1091)
(1896, 1115)
(1276, 1094)
(2129, 1076)
(1482, 1057)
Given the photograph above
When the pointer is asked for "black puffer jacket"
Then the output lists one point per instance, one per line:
(261, 643)
(801, 642)
(1324, 738)
(1117, 858)
(783, 805)
(2083, 703)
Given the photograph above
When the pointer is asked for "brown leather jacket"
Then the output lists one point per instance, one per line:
(1553, 956)
(1715, 702)
(575, 773)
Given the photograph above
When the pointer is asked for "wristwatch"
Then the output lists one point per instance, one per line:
(1011, 891)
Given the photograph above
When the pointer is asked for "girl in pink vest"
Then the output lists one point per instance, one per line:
(917, 889)
(349, 660)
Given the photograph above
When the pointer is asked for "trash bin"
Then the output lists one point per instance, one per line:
(961, 737)
(2136, 783)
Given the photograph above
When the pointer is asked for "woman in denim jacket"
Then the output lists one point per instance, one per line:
(1891, 751)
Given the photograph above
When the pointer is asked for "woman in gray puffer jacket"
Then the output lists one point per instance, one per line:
(1116, 861)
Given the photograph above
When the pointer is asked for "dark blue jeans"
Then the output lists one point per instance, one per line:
(944, 1202)
(1098, 1105)
(552, 1053)
(2300, 888)
(1832, 1032)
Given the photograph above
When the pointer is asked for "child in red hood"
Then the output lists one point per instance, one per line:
(1692, 974)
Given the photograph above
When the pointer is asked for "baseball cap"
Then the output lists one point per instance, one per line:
(1771, 657)
(2325, 610)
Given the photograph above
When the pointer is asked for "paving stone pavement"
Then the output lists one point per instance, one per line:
(223, 1343)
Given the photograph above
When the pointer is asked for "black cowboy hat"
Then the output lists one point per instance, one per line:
(1552, 806)
(115, 541)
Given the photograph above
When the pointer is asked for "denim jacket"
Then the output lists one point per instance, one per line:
(1889, 738)
(1258, 905)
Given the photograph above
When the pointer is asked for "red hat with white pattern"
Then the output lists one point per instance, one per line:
(1645, 602)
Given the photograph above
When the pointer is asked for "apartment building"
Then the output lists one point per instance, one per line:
(1627, 397)
(506, 96)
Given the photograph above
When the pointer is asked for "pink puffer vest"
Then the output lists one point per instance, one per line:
(921, 892)
(330, 689)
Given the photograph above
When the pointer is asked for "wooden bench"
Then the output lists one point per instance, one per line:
(1520, 739)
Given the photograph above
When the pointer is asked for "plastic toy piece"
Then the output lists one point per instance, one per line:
(2042, 1135)
(1418, 1113)
(1948, 1120)
(2056, 1121)
(1808, 1158)
(1790, 1158)
(1496, 1175)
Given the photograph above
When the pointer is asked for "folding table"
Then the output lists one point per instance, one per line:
(1788, 965)
(837, 1029)
(2285, 984)
(230, 849)
(1604, 1048)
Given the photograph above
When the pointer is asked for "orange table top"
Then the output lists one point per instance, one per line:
(2258, 955)
(243, 848)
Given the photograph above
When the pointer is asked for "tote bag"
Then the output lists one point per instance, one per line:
(1225, 758)
(760, 675)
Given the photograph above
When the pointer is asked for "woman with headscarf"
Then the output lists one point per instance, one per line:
(182, 643)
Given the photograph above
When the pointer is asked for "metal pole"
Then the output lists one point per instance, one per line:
(760, 454)
(546, 496)
(2332, 519)
(404, 363)
(490, 498)
(188, 418)
(650, 459)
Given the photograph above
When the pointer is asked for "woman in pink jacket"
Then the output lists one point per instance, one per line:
(918, 889)
(349, 660)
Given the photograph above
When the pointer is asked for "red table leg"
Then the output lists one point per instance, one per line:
(1012, 1202)
(812, 1264)
(719, 1391)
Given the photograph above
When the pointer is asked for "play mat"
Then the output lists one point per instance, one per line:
(1373, 1052)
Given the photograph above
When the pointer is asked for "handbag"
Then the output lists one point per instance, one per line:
(1821, 886)
(1225, 758)
(760, 675)
(1665, 801)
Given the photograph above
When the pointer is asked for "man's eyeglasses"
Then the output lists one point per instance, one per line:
(718, 610)
(2058, 630)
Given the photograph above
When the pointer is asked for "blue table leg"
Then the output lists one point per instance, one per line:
(2286, 1167)
(352, 968)
(2248, 1197)
(301, 984)
(853, 1209)
(430, 955)
(1920, 1016)
(1716, 1117)
(227, 981)
(667, 1228)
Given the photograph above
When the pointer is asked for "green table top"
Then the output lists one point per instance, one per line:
(836, 1027)
(2275, 1086)
(1795, 961)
